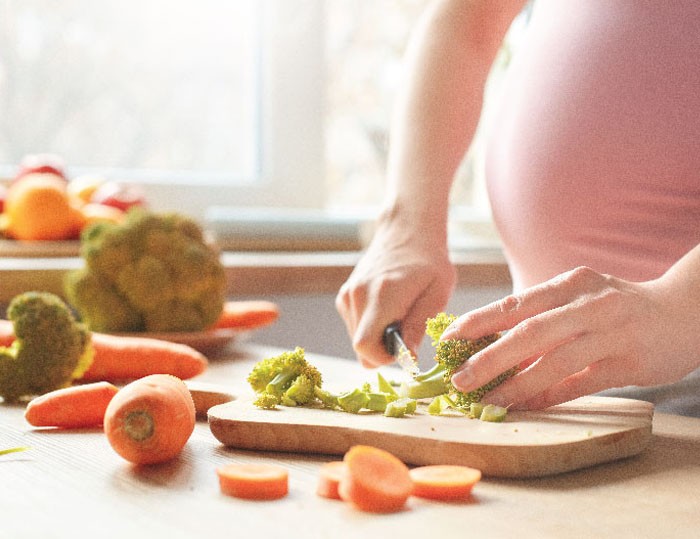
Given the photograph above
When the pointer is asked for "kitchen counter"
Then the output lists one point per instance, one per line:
(71, 484)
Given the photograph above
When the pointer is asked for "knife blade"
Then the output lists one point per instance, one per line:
(395, 345)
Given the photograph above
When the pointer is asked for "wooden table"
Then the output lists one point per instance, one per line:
(71, 484)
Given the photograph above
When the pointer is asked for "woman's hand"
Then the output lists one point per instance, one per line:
(404, 276)
(583, 332)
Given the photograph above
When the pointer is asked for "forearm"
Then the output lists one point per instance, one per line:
(437, 112)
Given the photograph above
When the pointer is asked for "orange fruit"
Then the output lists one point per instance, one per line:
(38, 207)
(96, 213)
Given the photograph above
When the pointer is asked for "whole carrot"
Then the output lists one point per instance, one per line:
(248, 314)
(150, 419)
(119, 358)
(81, 406)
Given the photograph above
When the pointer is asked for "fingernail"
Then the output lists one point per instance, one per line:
(449, 332)
(461, 379)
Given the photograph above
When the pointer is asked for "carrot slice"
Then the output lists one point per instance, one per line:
(247, 314)
(253, 481)
(444, 482)
(329, 478)
(374, 480)
(72, 407)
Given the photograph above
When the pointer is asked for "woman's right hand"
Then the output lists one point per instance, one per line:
(405, 276)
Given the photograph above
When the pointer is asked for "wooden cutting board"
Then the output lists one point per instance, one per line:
(581, 433)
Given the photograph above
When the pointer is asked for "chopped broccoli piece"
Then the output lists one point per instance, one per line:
(153, 272)
(493, 413)
(475, 410)
(353, 401)
(384, 386)
(287, 379)
(400, 407)
(51, 348)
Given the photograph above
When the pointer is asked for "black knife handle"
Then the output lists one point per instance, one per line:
(389, 337)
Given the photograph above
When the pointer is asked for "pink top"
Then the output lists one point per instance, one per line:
(594, 155)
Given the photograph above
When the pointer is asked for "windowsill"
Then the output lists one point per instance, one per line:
(261, 273)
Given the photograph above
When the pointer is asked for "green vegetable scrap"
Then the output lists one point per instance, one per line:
(51, 348)
(154, 272)
(12, 450)
(449, 356)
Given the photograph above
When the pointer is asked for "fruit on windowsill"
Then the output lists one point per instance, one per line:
(41, 163)
(118, 195)
(38, 207)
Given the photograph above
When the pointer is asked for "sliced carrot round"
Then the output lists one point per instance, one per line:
(444, 482)
(253, 481)
(374, 480)
(329, 478)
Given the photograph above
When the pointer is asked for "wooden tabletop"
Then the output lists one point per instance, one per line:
(71, 484)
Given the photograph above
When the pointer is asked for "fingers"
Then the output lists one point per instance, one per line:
(596, 377)
(513, 309)
(535, 337)
(561, 367)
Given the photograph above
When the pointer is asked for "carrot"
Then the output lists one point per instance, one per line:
(329, 478)
(374, 480)
(7, 333)
(73, 407)
(150, 419)
(119, 358)
(444, 482)
(253, 481)
(247, 314)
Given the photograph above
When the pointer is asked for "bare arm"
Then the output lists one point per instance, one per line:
(406, 274)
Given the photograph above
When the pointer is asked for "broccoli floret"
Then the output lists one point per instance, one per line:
(153, 272)
(287, 379)
(50, 350)
(449, 356)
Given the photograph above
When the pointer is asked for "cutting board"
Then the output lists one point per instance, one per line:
(577, 434)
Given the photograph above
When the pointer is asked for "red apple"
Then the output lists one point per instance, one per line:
(41, 163)
(118, 195)
(3, 194)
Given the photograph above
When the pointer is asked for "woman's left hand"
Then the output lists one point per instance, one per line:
(580, 333)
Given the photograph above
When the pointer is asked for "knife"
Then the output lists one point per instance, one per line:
(394, 344)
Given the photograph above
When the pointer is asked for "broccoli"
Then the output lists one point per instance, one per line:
(153, 272)
(449, 355)
(287, 379)
(290, 380)
(51, 348)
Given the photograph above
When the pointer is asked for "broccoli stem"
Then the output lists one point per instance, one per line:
(426, 385)
(279, 384)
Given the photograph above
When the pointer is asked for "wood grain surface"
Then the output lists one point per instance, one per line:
(581, 433)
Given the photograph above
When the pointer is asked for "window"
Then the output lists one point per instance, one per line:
(278, 103)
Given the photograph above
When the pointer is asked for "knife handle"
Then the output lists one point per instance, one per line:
(389, 337)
